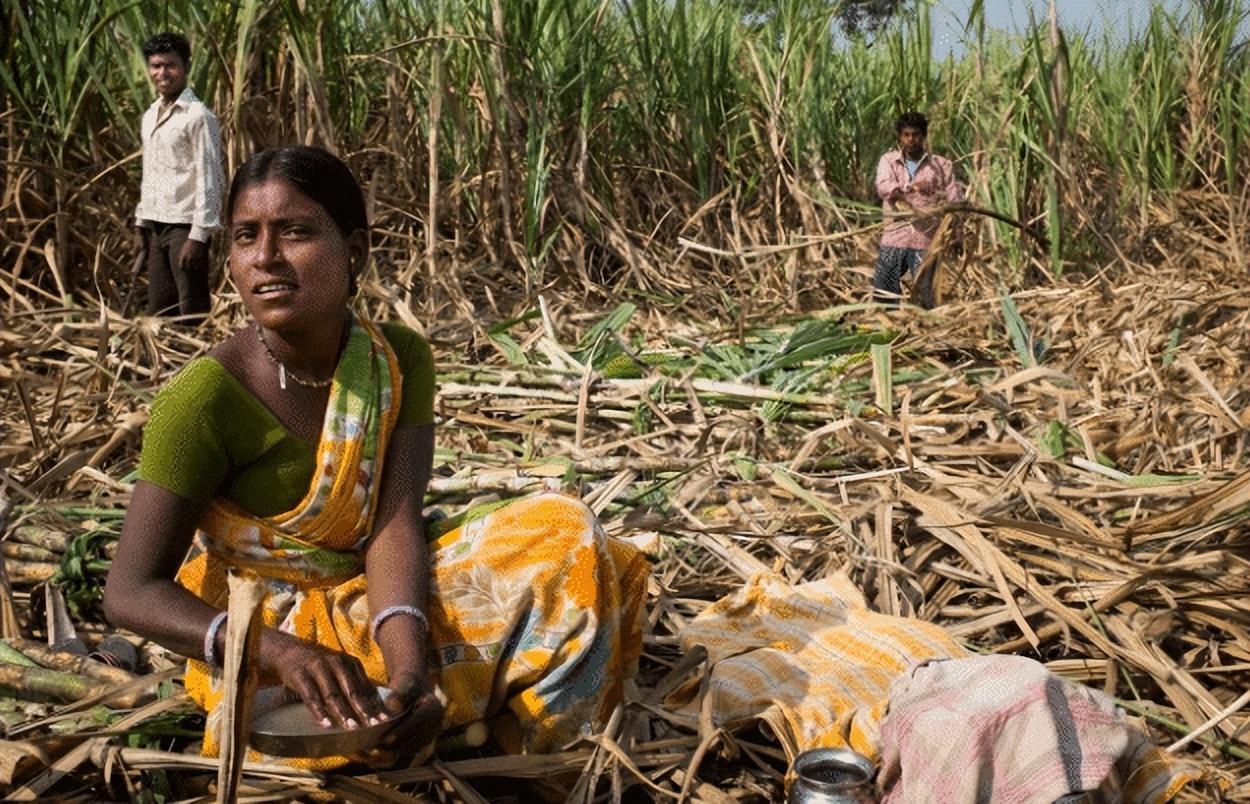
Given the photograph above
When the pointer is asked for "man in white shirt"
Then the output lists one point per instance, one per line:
(180, 196)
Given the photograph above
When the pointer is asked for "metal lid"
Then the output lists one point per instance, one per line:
(833, 769)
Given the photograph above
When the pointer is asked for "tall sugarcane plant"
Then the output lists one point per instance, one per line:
(550, 134)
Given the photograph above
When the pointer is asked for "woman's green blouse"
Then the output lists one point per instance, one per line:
(207, 435)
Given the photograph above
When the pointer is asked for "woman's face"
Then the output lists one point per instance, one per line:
(288, 259)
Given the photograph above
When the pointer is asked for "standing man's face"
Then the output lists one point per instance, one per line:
(911, 142)
(168, 73)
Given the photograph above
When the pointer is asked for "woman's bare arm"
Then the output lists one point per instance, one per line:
(397, 573)
(396, 568)
(142, 596)
(140, 593)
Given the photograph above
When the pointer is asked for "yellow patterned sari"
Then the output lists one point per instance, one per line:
(535, 615)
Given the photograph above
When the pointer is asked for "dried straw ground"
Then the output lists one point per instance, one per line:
(1078, 494)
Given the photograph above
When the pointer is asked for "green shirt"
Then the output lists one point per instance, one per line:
(207, 435)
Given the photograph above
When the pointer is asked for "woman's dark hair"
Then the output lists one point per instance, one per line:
(316, 173)
(168, 42)
(911, 120)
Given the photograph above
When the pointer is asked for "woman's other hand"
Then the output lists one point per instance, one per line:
(332, 685)
(420, 714)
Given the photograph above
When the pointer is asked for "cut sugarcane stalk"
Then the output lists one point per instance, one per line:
(68, 662)
(54, 541)
(41, 683)
(28, 552)
(29, 573)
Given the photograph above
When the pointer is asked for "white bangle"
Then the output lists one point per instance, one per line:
(390, 611)
(210, 640)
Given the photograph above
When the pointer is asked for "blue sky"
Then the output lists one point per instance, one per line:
(1096, 16)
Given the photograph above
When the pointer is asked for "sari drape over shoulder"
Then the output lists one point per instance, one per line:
(535, 615)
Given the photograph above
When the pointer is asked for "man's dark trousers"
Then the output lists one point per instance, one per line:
(172, 290)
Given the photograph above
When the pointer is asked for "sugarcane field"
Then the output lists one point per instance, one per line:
(625, 400)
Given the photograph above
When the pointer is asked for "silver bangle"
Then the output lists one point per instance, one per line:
(390, 611)
(210, 640)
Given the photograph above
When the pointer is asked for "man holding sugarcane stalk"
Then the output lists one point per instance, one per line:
(910, 179)
(181, 191)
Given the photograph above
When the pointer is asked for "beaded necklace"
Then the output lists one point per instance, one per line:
(284, 372)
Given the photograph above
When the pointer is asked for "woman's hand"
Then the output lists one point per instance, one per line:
(420, 714)
(332, 685)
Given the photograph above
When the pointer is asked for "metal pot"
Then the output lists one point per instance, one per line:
(290, 731)
(832, 776)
